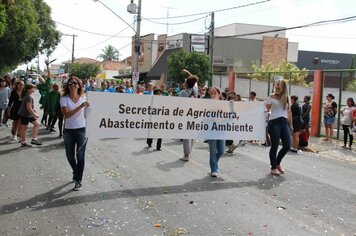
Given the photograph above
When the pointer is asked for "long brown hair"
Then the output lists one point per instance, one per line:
(66, 91)
(284, 95)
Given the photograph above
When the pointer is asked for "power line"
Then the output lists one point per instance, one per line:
(65, 47)
(80, 49)
(72, 27)
(320, 36)
(90, 32)
(129, 44)
(204, 13)
(318, 23)
(263, 9)
(115, 14)
(180, 23)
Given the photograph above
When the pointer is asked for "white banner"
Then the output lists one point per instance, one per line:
(118, 115)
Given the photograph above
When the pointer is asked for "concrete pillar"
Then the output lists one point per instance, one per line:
(231, 79)
(316, 103)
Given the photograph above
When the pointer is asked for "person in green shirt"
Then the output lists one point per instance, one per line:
(53, 106)
(44, 88)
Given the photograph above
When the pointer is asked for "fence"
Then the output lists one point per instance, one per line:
(335, 82)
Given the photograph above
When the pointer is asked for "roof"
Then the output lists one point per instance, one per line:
(83, 60)
(160, 66)
(113, 65)
(129, 61)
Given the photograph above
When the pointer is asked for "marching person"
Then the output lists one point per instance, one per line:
(157, 92)
(28, 114)
(4, 100)
(189, 92)
(216, 147)
(15, 102)
(279, 124)
(73, 105)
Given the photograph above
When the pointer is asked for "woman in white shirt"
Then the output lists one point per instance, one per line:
(216, 147)
(346, 121)
(73, 104)
(279, 124)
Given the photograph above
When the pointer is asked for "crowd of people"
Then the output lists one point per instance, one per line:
(65, 105)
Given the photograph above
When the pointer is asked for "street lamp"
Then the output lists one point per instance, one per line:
(132, 8)
(115, 14)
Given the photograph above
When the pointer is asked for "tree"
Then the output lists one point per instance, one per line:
(85, 71)
(25, 29)
(197, 63)
(351, 86)
(2, 19)
(110, 53)
(289, 72)
(50, 37)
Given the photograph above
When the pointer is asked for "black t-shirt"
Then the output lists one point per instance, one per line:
(296, 112)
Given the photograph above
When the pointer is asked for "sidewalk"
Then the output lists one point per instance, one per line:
(332, 150)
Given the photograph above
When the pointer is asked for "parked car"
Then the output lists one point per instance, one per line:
(33, 79)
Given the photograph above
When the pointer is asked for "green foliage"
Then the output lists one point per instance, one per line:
(110, 53)
(352, 67)
(351, 86)
(197, 63)
(3, 23)
(85, 71)
(25, 29)
(289, 72)
(50, 37)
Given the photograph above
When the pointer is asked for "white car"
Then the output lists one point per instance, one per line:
(33, 79)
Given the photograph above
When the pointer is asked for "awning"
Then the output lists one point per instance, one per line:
(161, 66)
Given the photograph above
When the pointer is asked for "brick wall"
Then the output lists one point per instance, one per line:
(274, 50)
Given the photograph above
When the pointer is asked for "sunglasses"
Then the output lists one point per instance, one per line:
(73, 83)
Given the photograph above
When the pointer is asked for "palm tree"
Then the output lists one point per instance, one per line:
(110, 53)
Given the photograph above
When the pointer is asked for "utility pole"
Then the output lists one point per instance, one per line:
(133, 9)
(72, 35)
(73, 48)
(211, 48)
(38, 63)
(168, 8)
(137, 36)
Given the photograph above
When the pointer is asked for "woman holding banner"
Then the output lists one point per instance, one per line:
(279, 125)
(216, 147)
(190, 91)
(73, 104)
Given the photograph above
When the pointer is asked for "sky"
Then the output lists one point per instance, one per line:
(78, 16)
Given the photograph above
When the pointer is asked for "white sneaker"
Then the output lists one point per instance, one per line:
(214, 174)
(14, 138)
(185, 158)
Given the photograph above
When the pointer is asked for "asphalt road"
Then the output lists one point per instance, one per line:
(129, 189)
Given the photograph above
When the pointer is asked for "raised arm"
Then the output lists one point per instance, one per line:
(187, 72)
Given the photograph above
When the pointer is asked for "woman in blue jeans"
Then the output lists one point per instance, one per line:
(216, 147)
(73, 104)
(279, 125)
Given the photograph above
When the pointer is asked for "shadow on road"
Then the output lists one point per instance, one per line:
(143, 151)
(37, 202)
(10, 150)
(51, 147)
(168, 166)
(52, 199)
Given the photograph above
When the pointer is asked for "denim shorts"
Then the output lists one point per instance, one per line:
(329, 120)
